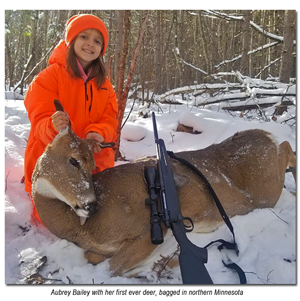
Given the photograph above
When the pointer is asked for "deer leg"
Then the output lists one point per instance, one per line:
(93, 258)
(130, 254)
(286, 149)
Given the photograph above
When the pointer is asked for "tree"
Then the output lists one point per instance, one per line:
(287, 50)
(122, 93)
(157, 55)
(246, 43)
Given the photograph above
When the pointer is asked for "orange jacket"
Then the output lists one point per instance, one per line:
(89, 109)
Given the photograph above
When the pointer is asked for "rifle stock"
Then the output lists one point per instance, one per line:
(191, 259)
(194, 271)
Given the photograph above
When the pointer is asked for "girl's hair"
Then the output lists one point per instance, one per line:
(98, 69)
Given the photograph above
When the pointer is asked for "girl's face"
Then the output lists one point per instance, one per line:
(87, 46)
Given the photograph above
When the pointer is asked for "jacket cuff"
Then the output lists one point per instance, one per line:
(104, 133)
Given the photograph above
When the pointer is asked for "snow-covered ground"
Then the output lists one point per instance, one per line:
(266, 237)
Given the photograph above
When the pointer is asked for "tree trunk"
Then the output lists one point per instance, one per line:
(246, 43)
(119, 45)
(123, 93)
(109, 52)
(204, 43)
(287, 49)
(120, 79)
(157, 55)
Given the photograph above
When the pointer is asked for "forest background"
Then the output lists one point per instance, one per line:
(154, 51)
(178, 47)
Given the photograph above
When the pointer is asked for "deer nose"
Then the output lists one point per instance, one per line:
(91, 207)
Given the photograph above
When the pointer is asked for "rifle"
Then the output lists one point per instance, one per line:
(191, 258)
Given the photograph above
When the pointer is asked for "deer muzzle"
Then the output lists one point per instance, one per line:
(91, 208)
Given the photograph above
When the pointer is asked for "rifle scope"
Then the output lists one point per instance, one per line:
(155, 222)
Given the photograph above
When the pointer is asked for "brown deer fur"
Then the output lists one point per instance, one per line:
(247, 172)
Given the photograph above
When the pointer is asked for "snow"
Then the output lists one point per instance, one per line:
(132, 132)
(266, 237)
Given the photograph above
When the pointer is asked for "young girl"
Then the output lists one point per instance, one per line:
(76, 76)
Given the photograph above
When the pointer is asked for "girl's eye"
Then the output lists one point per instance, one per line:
(98, 42)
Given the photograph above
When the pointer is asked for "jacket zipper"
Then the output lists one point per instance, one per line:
(86, 95)
(91, 98)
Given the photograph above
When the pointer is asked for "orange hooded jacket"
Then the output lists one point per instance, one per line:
(90, 110)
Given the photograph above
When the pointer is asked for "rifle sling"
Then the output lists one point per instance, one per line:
(240, 272)
(225, 217)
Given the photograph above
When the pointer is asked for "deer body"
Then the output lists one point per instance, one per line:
(247, 171)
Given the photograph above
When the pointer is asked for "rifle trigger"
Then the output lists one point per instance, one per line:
(190, 226)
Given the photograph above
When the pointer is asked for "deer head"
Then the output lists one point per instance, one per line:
(71, 178)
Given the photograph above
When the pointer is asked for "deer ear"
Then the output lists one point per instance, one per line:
(66, 130)
(59, 107)
(92, 142)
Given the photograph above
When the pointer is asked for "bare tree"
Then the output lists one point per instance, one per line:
(157, 55)
(287, 50)
(122, 92)
(246, 43)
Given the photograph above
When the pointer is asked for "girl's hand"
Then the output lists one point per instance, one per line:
(98, 138)
(60, 120)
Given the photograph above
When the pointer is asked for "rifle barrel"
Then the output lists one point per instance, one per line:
(154, 127)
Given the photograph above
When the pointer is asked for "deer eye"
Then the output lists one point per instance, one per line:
(74, 162)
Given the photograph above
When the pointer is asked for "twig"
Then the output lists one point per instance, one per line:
(128, 113)
(172, 136)
(34, 219)
(285, 121)
(278, 216)
(18, 252)
(165, 261)
(6, 180)
(264, 281)
(268, 276)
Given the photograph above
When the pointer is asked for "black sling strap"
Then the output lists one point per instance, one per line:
(226, 244)
(240, 272)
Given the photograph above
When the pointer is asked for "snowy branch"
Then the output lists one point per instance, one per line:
(249, 52)
(228, 17)
(268, 34)
(25, 70)
(35, 67)
(268, 66)
(194, 67)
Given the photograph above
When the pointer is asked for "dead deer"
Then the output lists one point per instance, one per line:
(247, 171)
